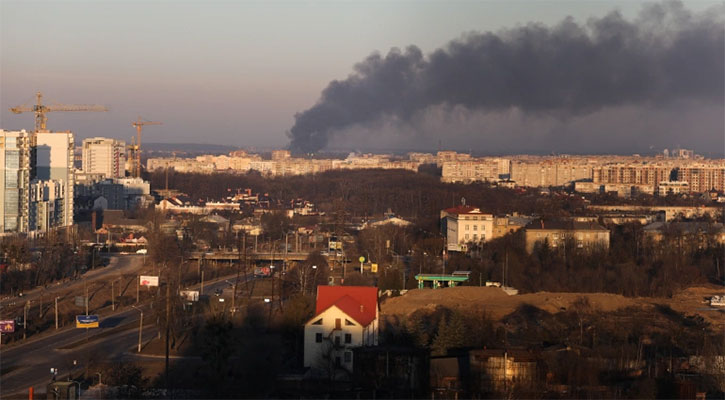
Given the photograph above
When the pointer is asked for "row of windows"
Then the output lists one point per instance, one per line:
(348, 338)
(337, 322)
(475, 236)
(474, 218)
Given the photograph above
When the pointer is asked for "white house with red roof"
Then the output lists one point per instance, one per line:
(345, 317)
(465, 224)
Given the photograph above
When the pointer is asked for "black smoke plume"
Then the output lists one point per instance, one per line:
(665, 54)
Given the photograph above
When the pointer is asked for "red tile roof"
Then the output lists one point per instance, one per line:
(359, 302)
(463, 210)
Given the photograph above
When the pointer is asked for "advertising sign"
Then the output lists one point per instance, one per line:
(7, 326)
(190, 295)
(80, 301)
(374, 268)
(148, 280)
(86, 321)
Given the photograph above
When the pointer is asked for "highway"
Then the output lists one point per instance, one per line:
(118, 265)
(29, 364)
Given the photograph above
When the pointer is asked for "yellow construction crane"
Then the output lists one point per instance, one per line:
(40, 109)
(139, 124)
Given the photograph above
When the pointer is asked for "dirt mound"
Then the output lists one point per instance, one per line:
(498, 304)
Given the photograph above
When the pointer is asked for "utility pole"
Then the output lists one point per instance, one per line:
(85, 286)
(140, 327)
(56, 313)
(138, 286)
(25, 319)
(168, 314)
(201, 289)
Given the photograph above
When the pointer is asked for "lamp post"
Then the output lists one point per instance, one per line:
(314, 279)
(140, 327)
(56, 313)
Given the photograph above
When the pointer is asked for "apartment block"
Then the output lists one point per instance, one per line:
(703, 177)
(557, 171)
(104, 156)
(560, 233)
(478, 170)
(53, 175)
(15, 156)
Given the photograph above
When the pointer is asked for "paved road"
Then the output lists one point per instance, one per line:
(29, 364)
(119, 264)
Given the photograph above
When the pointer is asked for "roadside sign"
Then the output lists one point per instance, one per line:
(7, 326)
(86, 321)
(262, 272)
(374, 268)
(149, 280)
(80, 301)
(361, 259)
(190, 295)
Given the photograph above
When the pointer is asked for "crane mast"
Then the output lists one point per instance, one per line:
(139, 124)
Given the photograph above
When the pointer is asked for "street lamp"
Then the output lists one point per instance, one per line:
(140, 327)
(314, 279)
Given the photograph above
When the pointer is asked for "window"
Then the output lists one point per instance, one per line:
(337, 340)
(475, 227)
(348, 338)
(318, 337)
(338, 324)
(318, 322)
(475, 236)
(348, 322)
(468, 227)
(348, 356)
(466, 236)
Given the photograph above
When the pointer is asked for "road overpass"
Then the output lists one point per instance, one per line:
(254, 256)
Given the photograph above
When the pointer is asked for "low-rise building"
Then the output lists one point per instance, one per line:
(698, 234)
(464, 225)
(345, 317)
(559, 233)
(673, 187)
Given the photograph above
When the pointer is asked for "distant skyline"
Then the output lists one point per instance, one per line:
(236, 73)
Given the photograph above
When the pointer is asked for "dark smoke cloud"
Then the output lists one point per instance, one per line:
(665, 55)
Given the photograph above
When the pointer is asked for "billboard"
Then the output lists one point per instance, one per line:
(7, 326)
(190, 295)
(86, 321)
(149, 280)
(261, 272)
(80, 301)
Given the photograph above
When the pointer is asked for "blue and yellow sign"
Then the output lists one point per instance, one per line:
(86, 321)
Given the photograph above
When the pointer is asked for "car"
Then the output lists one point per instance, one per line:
(142, 251)
(218, 292)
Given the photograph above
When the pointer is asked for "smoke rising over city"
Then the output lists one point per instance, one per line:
(665, 59)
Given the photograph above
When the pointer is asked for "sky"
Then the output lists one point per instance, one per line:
(237, 73)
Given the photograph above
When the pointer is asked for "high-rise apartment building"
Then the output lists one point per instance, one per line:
(52, 176)
(15, 180)
(104, 156)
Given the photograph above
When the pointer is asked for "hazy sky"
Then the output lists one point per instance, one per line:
(233, 73)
